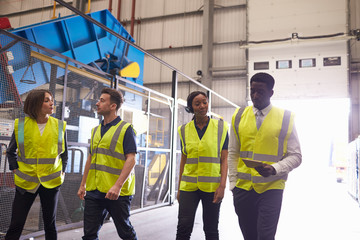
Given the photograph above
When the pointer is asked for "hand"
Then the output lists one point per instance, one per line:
(81, 192)
(14, 171)
(266, 170)
(219, 194)
(178, 196)
(113, 193)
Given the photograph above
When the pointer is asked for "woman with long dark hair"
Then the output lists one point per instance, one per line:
(203, 168)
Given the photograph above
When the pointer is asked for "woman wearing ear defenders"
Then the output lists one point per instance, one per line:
(203, 168)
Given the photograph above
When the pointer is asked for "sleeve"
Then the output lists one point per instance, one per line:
(11, 153)
(181, 141)
(129, 143)
(233, 158)
(293, 157)
(64, 155)
(226, 142)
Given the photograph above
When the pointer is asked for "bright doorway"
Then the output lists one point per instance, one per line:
(315, 205)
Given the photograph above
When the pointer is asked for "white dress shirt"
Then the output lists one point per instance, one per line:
(289, 162)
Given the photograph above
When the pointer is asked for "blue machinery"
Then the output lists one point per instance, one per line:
(77, 38)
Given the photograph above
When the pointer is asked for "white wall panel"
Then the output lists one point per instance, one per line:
(193, 30)
(181, 33)
(228, 55)
(143, 8)
(10, 6)
(229, 25)
(225, 3)
(151, 35)
(316, 82)
(33, 17)
(151, 70)
(166, 33)
(98, 5)
(273, 19)
(192, 5)
(191, 62)
(232, 89)
(155, 8)
(187, 61)
(174, 6)
(174, 30)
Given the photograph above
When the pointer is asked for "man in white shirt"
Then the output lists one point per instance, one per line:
(265, 136)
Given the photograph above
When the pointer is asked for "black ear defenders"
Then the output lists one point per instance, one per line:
(189, 109)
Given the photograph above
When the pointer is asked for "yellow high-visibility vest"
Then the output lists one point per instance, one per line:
(39, 157)
(267, 144)
(202, 168)
(108, 159)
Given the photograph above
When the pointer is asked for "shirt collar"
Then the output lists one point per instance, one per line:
(205, 125)
(264, 111)
(112, 123)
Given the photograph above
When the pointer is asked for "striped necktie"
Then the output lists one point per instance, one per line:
(258, 115)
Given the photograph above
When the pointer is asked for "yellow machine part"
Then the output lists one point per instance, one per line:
(131, 70)
(156, 166)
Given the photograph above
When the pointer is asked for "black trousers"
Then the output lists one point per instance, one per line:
(188, 204)
(258, 214)
(96, 210)
(21, 207)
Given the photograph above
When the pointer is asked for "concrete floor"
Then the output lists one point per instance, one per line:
(315, 207)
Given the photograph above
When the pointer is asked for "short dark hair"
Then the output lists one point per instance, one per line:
(34, 101)
(115, 96)
(190, 99)
(264, 78)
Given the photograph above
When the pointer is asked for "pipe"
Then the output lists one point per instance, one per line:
(110, 6)
(119, 10)
(54, 8)
(89, 6)
(132, 18)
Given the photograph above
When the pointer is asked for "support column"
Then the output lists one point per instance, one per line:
(208, 39)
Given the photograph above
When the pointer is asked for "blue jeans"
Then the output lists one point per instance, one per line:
(96, 210)
(188, 204)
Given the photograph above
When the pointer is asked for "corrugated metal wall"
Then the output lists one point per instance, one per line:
(172, 30)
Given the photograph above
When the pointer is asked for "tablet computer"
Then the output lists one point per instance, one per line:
(252, 163)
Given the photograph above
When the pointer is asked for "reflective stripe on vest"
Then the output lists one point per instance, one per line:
(26, 177)
(282, 136)
(249, 178)
(105, 169)
(258, 179)
(108, 159)
(35, 170)
(203, 159)
(201, 179)
(237, 122)
(111, 151)
(21, 143)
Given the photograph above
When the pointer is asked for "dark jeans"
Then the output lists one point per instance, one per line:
(21, 207)
(258, 214)
(96, 210)
(188, 204)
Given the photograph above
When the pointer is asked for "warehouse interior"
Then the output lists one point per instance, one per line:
(158, 51)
